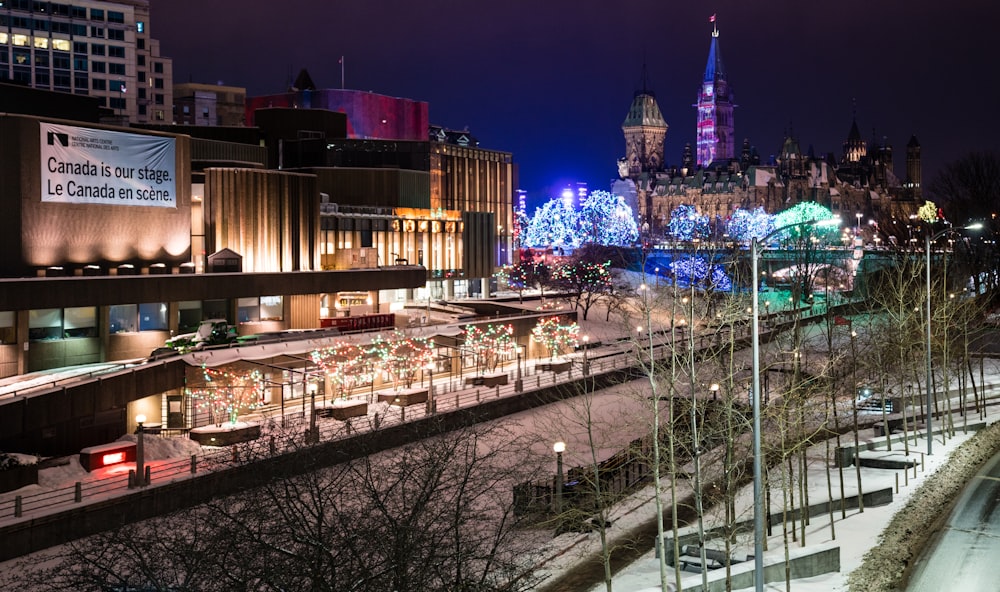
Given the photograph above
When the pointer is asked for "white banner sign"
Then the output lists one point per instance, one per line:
(81, 165)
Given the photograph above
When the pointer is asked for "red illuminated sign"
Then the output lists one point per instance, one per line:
(113, 458)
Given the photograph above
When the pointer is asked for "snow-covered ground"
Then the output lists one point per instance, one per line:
(855, 534)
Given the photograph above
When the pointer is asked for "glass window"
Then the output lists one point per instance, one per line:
(271, 308)
(41, 42)
(44, 323)
(118, 69)
(248, 310)
(116, 103)
(97, 32)
(157, 83)
(117, 85)
(158, 67)
(61, 61)
(140, 44)
(116, 51)
(22, 57)
(4, 37)
(19, 40)
(140, 27)
(215, 309)
(97, 49)
(116, 34)
(80, 322)
(190, 315)
(80, 47)
(99, 84)
(80, 64)
(153, 316)
(122, 317)
(41, 78)
(116, 17)
(158, 99)
(79, 31)
(96, 14)
(140, 59)
(98, 67)
(78, 12)
(8, 327)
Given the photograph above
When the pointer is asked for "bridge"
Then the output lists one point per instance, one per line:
(856, 265)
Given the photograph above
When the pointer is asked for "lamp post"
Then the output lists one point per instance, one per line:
(430, 389)
(758, 499)
(929, 238)
(140, 460)
(586, 362)
(313, 428)
(518, 382)
(559, 447)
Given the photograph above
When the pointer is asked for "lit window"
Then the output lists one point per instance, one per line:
(41, 42)
(4, 37)
(60, 44)
(21, 40)
(140, 27)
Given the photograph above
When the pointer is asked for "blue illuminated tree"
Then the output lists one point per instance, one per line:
(555, 224)
(686, 223)
(697, 271)
(744, 225)
(607, 220)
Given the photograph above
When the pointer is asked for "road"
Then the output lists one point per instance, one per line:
(963, 555)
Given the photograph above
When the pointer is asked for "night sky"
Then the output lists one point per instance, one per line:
(551, 80)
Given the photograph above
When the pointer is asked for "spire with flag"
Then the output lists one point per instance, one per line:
(715, 29)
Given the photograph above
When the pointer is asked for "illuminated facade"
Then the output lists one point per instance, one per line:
(100, 48)
(715, 128)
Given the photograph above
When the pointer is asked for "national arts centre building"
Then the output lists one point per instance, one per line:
(115, 238)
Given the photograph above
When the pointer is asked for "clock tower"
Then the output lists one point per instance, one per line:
(715, 132)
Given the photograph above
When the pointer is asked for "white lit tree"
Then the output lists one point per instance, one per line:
(555, 224)
(606, 219)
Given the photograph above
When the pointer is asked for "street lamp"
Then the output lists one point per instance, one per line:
(313, 429)
(929, 238)
(586, 362)
(430, 389)
(758, 500)
(518, 382)
(559, 447)
(140, 461)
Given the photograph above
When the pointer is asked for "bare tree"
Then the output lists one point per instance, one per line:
(422, 517)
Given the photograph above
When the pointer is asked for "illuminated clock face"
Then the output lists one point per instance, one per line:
(708, 89)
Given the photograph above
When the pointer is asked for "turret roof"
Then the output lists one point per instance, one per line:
(644, 112)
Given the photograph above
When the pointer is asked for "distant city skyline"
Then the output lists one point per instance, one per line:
(552, 82)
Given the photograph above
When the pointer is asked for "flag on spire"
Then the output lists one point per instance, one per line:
(711, 19)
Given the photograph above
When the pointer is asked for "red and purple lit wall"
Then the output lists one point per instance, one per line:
(369, 115)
